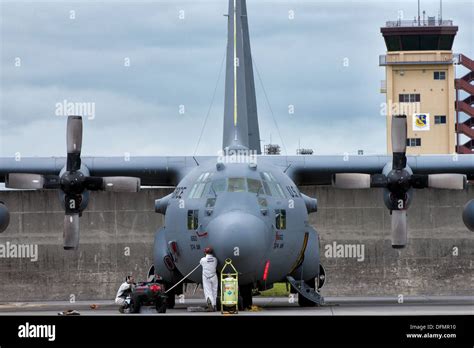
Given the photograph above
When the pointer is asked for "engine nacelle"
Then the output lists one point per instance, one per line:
(4, 217)
(468, 215)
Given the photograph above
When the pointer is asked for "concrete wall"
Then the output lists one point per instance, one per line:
(115, 222)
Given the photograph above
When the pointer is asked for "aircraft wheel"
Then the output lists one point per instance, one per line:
(170, 300)
(161, 305)
(246, 294)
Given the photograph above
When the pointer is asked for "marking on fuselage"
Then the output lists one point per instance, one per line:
(300, 258)
(200, 235)
(235, 66)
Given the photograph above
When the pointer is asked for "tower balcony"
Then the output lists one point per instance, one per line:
(416, 58)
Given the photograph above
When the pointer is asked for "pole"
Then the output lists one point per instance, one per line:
(440, 12)
(187, 275)
(418, 12)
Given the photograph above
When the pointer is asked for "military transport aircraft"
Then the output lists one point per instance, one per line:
(247, 206)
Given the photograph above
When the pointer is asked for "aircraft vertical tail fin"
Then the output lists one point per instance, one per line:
(241, 129)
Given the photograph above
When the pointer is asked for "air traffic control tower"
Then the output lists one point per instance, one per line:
(420, 76)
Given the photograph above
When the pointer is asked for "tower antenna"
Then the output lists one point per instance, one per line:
(418, 12)
(440, 12)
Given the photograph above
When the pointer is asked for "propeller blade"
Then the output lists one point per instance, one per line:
(121, 184)
(74, 142)
(24, 181)
(71, 232)
(4, 217)
(447, 181)
(399, 229)
(399, 141)
(351, 181)
(468, 215)
(72, 203)
(399, 133)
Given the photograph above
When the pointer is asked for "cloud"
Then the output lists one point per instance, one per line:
(175, 62)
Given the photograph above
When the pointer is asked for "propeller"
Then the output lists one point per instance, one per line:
(4, 217)
(398, 181)
(73, 183)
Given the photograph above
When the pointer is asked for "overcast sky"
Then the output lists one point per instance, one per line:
(48, 57)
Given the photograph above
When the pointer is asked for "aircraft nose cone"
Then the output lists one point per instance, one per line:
(242, 237)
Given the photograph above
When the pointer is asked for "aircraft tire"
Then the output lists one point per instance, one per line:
(246, 294)
(170, 300)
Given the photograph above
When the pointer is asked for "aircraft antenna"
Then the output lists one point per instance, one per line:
(269, 106)
(210, 106)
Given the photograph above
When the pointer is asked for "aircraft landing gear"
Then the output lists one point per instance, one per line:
(304, 302)
(245, 292)
(171, 300)
(308, 295)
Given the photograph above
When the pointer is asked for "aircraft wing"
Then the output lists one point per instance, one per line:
(153, 171)
(318, 170)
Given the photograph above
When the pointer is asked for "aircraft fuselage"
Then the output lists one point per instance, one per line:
(251, 213)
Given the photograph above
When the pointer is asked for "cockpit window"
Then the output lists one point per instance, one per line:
(210, 203)
(236, 185)
(267, 176)
(276, 190)
(262, 202)
(219, 185)
(267, 188)
(272, 187)
(201, 186)
(255, 186)
(205, 186)
(280, 219)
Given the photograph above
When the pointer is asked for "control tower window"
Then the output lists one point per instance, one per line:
(236, 185)
(439, 75)
(440, 119)
(280, 219)
(412, 142)
(409, 98)
(193, 219)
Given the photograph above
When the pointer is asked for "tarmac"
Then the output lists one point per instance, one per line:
(268, 306)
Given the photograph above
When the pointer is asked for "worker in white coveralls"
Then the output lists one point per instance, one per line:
(209, 279)
(125, 289)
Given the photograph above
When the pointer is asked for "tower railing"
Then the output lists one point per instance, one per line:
(415, 57)
(421, 23)
(465, 105)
